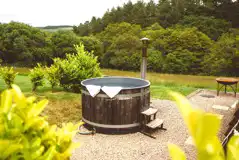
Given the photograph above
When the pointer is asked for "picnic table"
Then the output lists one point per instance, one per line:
(224, 82)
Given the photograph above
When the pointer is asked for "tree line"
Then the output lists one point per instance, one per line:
(195, 44)
(166, 12)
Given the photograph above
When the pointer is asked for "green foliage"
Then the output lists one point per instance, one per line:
(125, 61)
(21, 43)
(168, 13)
(37, 77)
(178, 30)
(52, 75)
(63, 42)
(185, 47)
(203, 127)
(8, 75)
(113, 31)
(75, 68)
(154, 61)
(224, 57)
(122, 46)
(92, 44)
(179, 61)
(209, 25)
(27, 135)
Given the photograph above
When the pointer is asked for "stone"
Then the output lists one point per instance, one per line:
(225, 108)
(235, 104)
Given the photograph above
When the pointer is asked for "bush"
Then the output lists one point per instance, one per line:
(26, 135)
(75, 68)
(52, 75)
(8, 75)
(37, 77)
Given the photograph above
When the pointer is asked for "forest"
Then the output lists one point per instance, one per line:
(186, 37)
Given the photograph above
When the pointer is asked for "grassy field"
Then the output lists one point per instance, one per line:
(58, 29)
(66, 106)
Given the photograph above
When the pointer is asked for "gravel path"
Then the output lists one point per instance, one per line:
(137, 146)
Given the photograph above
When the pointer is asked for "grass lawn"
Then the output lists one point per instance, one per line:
(66, 106)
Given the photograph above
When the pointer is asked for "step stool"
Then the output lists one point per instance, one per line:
(150, 122)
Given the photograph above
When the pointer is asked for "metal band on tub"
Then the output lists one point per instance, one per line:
(111, 126)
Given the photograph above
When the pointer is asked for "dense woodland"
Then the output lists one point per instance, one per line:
(186, 37)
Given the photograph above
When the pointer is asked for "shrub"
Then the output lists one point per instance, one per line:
(26, 135)
(203, 128)
(75, 68)
(8, 75)
(52, 75)
(37, 77)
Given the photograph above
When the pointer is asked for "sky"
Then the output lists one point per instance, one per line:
(41, 13)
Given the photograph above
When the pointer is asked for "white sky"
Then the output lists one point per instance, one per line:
(54, 12)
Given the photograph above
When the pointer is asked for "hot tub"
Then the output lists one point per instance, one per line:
(120, 113)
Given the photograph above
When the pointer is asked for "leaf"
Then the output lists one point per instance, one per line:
(38, 108)
(17, 93)
(233, 148)
(207, 128)
(186, 111)
(37, 153)
(10, 150)
(6, 101)
(36, 142)
(176, 153)
(49, 154)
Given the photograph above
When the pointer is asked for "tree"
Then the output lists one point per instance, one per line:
(92, 44)
(121, 41)
(21, 43)
(224, 56)
(209, 25)
(182, 39)
(179, 61)
(63, 42)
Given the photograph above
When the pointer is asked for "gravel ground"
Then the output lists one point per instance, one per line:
(137, 146)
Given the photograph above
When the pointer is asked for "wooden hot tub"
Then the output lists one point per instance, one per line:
(120, 113)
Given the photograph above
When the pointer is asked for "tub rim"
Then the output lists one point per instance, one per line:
(125, 88)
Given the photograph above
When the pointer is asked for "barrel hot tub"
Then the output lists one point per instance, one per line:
(120, 113)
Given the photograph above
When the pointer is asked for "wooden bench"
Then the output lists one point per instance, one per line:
(150, 122)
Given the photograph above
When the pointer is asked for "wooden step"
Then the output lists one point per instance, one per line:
(150, 111)
(155, 123)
